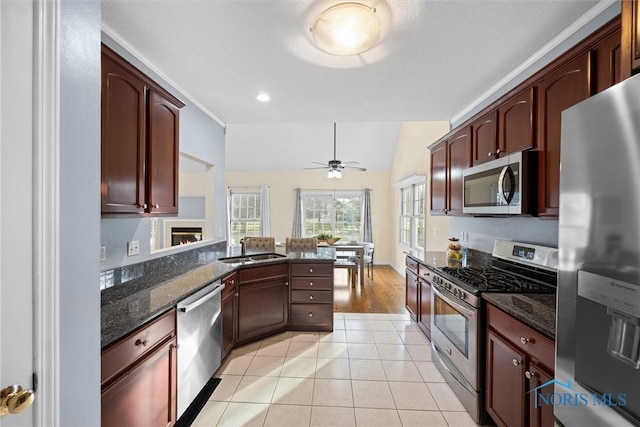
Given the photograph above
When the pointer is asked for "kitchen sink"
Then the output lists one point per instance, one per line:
(249, 258)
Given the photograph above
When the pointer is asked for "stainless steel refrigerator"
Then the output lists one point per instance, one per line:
(597, 378)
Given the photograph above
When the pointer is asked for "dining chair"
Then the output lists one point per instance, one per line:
(369, 249)
(301, 244)
(260, 244)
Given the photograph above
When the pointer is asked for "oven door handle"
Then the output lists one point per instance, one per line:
(464, 310)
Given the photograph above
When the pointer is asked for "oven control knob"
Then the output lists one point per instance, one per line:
(456, 292)
(463, 295)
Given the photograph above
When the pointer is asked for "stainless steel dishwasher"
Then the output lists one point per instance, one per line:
(199, 341)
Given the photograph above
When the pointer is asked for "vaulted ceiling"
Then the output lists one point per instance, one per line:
(436, 58)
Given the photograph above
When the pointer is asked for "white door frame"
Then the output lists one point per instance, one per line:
(46, 195)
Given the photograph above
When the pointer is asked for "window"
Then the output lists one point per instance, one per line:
(245, 215)
(338, 213)
(412, 205)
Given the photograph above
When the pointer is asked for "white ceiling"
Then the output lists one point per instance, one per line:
(436, 59)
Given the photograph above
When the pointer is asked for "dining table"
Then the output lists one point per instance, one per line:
(358, 249)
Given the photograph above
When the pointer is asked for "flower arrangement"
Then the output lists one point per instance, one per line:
(327, 237)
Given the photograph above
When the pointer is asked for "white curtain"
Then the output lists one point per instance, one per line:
(265, 219)
(228, 228)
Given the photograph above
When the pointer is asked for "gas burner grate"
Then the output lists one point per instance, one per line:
(492, 280)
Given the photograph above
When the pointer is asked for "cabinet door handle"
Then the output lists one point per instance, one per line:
(490, 154)
(529, 374)
(498, 151)
(310, 296)
(236, 294)
(286, 283)
(142, 343)
(524, 340)
(311, 270)
(516, 362)
(310, 283)
(310, 314)
(156, 206)
(143, 206)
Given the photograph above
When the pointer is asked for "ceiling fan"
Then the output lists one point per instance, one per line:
(335, 166)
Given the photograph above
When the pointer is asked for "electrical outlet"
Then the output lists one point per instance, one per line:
(103, 253)
(435, 231)
(466, 236)
(133, 247)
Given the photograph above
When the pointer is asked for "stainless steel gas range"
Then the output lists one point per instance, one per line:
(458, 325)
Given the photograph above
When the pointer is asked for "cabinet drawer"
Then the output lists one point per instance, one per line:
(523, 337)
(312, 283)
(424, 273)
(412, 265)
(127, 350)
(309, 269)
(311, 314)
(263, 272)
(311, 296)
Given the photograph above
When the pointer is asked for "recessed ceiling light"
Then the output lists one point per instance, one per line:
(263, 97)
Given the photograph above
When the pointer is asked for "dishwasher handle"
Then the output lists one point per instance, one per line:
(185, 308)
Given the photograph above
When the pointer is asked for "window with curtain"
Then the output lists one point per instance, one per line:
(412, 206)
(338, 213)
(246, 208)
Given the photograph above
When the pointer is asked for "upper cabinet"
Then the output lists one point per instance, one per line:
(557, 91)
(485, 142)
(448, 159)
(608, 62)
(630, 38)
(515, 123)
(140, 142)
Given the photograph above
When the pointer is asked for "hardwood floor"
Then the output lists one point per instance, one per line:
(384, 294)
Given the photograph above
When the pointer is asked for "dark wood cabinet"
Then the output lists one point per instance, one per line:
(607, 62)
(438, 194)
(458, 159)
(424, 313)
(518, 359)
(229, 307)
(123, 148)
(311, 296)
(557, 91)
(412, 290)
(139, 376)
(630, 38)
(263, 301)
(515, 123)
(139, 141)
(484, 137)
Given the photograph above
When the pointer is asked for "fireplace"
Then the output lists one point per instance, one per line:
(184, 235)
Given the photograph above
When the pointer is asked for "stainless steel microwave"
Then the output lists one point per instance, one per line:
(505, 186)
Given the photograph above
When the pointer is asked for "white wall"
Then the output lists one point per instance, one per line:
(282, 192)
(412, 156)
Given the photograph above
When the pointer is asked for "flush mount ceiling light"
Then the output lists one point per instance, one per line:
(263, 97)
(346, 29)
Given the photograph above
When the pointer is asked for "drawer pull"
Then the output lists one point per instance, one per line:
(142, 343)
(310, 283)
(516, 362)
(310, 296)
(286, 283)
(524, 340)
(311, 270)
(530, 375)
(310, 314)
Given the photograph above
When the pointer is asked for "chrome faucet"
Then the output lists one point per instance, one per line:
(242, 249)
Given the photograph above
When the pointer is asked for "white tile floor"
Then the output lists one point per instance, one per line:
(372, 370)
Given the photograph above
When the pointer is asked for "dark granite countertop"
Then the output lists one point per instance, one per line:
(125, 308)
(535, 310)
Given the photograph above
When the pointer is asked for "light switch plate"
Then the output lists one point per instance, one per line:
(133, 247)
(103, 252)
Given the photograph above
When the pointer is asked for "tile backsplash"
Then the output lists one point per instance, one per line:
(157, 270)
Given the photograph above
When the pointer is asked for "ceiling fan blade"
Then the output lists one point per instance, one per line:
(353, 162)
(355, 168)
(322, 167)
(318, 163)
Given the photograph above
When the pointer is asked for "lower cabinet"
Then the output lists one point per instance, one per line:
(263, 301)
(424, 318)
(229, 307)
(418, 294)
(412, 292)
(519, 359)
(139, 375)
(311, 296)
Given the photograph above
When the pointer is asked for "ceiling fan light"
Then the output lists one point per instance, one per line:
(346, 29)
(337, 174)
